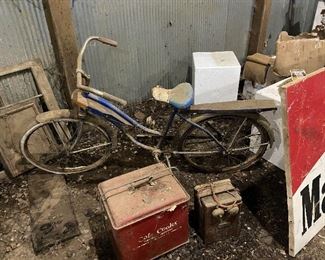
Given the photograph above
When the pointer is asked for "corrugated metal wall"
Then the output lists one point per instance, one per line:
(293, 16)
(24, 35)
(156, 39)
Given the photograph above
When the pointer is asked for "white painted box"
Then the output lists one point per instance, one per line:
(215, 76)
(276, 153)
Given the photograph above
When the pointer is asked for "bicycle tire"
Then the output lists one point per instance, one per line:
(49, 129)
(215, 163)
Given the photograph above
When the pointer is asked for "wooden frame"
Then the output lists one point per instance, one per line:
(38, 73)
(45, 91)
(259, 26)
(15, 120)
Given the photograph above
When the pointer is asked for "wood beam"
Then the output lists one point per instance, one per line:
(259, 26)
(62, 32)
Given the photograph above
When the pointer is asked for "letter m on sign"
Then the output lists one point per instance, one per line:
(303, 110)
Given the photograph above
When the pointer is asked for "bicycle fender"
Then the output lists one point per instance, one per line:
(263, 121)
(54, 114)
(268, 128)
(66, 113)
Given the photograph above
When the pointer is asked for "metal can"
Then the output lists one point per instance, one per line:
(217, 207)
(146, 212)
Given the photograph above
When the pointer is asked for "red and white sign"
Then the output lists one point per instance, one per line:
(304, 141)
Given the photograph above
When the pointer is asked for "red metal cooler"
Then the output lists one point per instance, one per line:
(147, 212)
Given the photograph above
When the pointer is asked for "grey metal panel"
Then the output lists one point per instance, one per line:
(302, 19)
(23, 35)
(156, 39)
(238, 27)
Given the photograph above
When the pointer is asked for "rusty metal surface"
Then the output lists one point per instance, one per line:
(24, 35)
(156, 39)
(217, 207)
(150, 204)
(147, 191)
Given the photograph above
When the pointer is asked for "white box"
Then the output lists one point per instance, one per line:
(215, 76)
(276, 153)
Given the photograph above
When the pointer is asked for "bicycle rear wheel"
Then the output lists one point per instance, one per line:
(73, 145)
(241, 141)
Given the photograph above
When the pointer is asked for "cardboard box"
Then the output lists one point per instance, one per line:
(256, 67)
(301, 52)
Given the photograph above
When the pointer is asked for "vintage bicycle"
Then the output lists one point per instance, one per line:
(216, 137)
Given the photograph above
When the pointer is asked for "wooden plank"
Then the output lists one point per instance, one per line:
(17, 67)
(44, 86)
(60, 24)
(259, 26)
(51, 212)
(240, 105)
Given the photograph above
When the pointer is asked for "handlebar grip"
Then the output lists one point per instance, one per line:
(107, 41)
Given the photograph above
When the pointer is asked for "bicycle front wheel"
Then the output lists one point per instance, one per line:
(72, 145)
(234, 142)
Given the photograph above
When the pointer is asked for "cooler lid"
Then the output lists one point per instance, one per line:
(139, 194)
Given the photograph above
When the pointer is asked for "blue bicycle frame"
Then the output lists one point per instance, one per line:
(118, 123)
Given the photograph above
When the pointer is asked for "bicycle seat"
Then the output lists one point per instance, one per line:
(180, 96)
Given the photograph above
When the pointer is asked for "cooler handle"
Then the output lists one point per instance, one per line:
(141, 182)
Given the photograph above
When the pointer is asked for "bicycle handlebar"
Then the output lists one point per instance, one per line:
(107, 41)
(81, 73)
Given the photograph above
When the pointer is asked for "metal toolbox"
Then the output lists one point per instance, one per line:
(217, 207)
(147, 212)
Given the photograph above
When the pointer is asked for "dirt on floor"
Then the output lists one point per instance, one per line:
(264, 226)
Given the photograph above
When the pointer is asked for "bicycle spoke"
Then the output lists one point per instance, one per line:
(248, 147)
(195, 142)
(76, 134)
(197, 153)
(50, 155)
(81, 158)
(90, 148)
(233, 157)
(248, 137)
(85, 147)
(244, 138)
(61, 133)
(234, 138)
(213, 130)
